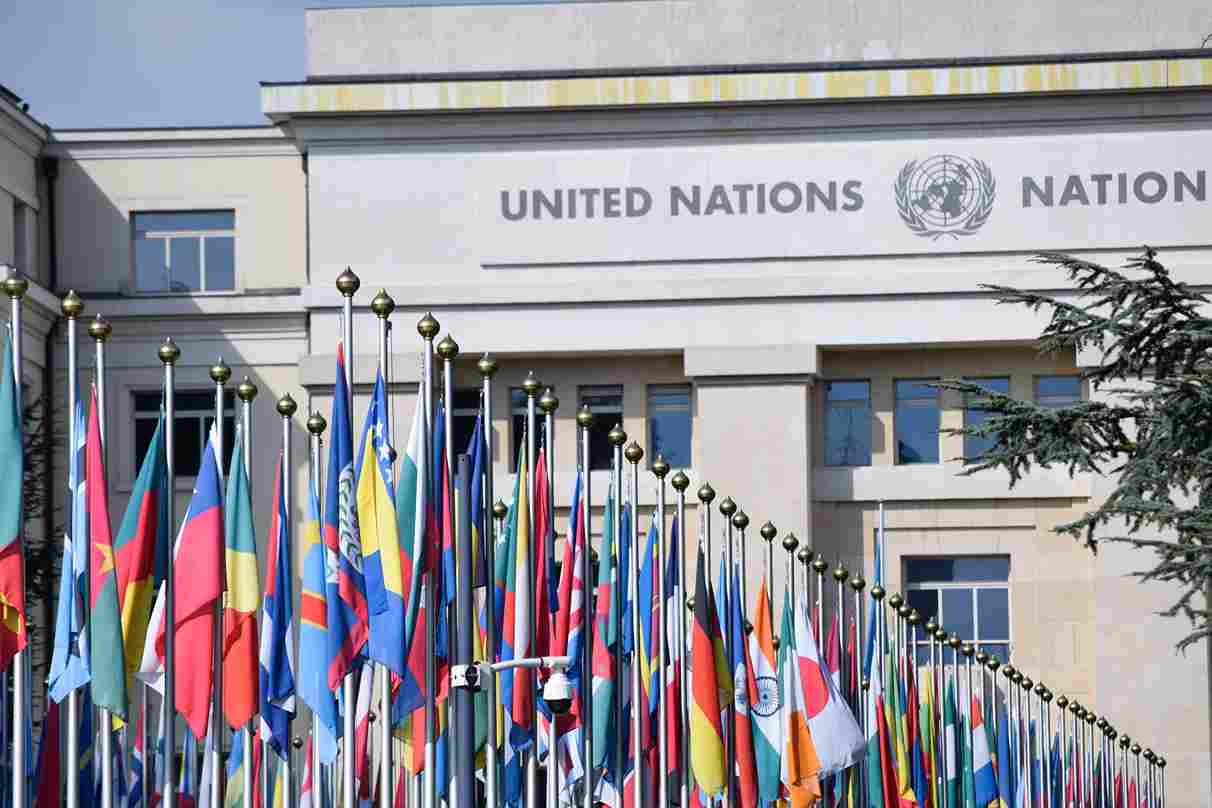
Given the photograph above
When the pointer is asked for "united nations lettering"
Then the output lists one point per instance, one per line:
(945, 195)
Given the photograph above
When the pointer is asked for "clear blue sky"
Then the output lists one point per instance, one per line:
(84, 63)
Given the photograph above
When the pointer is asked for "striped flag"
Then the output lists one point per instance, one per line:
(69, 661)
(601, 664)
(313, 630)
(344, 586)
(362, 731)
(208, 772)
(243, 596)
(673, 611)
(277, 663)
(801, 767)
(744, 683)
(765, 701)
(706, 733)
(833, 728)
(307, 787)
(411, 515)
(517, 686)
(137, 766)
(984, 780)
(12, 561)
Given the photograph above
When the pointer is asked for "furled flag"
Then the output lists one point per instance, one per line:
(105, 615)
(313, 628)
(744, 683)
(12, 561)
(277, 668)
(345, 588)
(243, 596)
(985, 782)
(545, 601)
(380, 537)
(674, 612)
(765, 701)
(706, 733)
(950, 747)
(307, 788)
(141, 547)
(838, 739)
(88, 745)
(208, 773)
(46, 773)
(602, 665)
(517, 686)
(411, 515)
(649, 622)
(362, 773)
(1005, 763)
(69, 661)
(801, 767)
(880, 779)
(199, 583)
(187, 785)
(137, 765)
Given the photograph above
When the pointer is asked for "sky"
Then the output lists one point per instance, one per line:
(89, 63)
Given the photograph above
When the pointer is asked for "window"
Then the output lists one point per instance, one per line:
(916, 421)
(517, 415)
(185, 251)
(195, 412)
(606, 403)
(967, 595)
(975, 416)
(463, 419)
(848, 423)
(1054, 392)
(669, 423)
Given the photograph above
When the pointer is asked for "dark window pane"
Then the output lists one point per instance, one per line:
(848, 391)
(462, 425)
(469, 399)
(1058, 391)
(923, 654)
(1000, 650)
(974, 416)
(847, 435)
(220, 263)
(229, 436)
(601, 451)
(916, 422)
(669, 433)
(993, 613)
(916, 389)
(925, 601)
(147, 401)
(931, 570)
(194, 401)
(185, 264)
(957, 612)
(518, 434)
(187, 446)
(145, 428)
(184, 220)
(981, 568)
(606, 402)
(676, 396)
(607, 398)
(151, 270)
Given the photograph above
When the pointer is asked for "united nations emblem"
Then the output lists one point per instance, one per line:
(945, 195)
(769, 700)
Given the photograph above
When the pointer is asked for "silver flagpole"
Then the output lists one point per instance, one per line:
(287, 408)
(660, 468)
(428, 327)
(680, 483)
(1152, 758)
(634, 455)
(857, 583)
(585, 421)
(1042, 697)
(969, 651)
(1161, 781)
(1062, 702)
(727, 508)
(315, 429)
(617, 438)
(382, 305)
(740, 520)
(72, 307)
(169, 353)
(488, 369)
(547, 404)
(1026, 684)
(820, 566)
(1125, 742)
(531, 386)
(939, 643)
(840, 574)
(992, 664)
(1047, 719)
(219, 374)
(15, 286)
(246, 391)
(936, 760)
(347, 284)
(99, 329)
(790, 542)
(768, 532)
(448, 351)
(954, 643)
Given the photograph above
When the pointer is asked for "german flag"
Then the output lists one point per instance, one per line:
(706, 734)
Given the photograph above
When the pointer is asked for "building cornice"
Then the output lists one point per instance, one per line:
(101, 144)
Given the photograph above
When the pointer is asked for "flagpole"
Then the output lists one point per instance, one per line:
(246, 391)
(680, 483)
(1161, 781)
(169, 353)
(820, 566)
(1061, 703)
(315, 429)
(286, 408)
(727, 508)
(219, 374)
(660, 468)
(488, 368)
(465, 719)
(1047, 720)
(585, 422)
(427, 327)
(382, 305)
(740, 520)
(72, 307)
(840, 574)
(938, 640)
(531, 386)
(954, 643)
(857, 584)
(617, 438)
(969, 650)
(1045, 758)
(790, 542)
(1124, 742)
(634, 455)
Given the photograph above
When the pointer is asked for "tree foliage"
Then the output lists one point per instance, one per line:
(1151, 430)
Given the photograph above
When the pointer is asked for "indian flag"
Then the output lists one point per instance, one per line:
(766, 707)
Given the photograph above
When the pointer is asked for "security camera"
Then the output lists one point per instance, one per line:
(558, 693)
(466, 677)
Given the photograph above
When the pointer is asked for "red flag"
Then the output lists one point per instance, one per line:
(543, 629)
(46, 775)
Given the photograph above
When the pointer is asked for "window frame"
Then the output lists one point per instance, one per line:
(658, 388)
(229, 410)
(975, 587)
(969, 408)
(599, 413)
(938, 410)
(465, 412)
(1035, 396)
(825, 422)
(167, 237)
(516, 433)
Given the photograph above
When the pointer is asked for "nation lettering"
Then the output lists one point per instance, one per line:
(1146, 187)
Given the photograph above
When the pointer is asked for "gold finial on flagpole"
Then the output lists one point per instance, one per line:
(348, 283)
(15, 285)
(819, 564)
(487, 366)
(428, 326)
(981, 658)
(895, 601)
(804, 556)
(531, 384)
(727, 507)
(447, 349)
(878, 592)
(740, 519)
(1124, 742)
(499, 510)
(706, 493)
(168, 351)
(382, 305)
(584, 416)
(857, 583)
(914, 618)
(635, 454)
(768, 531)
(71, 305)
(616, 435)
(316, 424)
(100, 329)
(1062, 701)
(993, 663)
(680, 481)
(659, 467)
(840, 574)
(790, 542)
(968, 649)
(548, 401)
(246, 390)
(220, 372)
(1027, 683)
(286, 406)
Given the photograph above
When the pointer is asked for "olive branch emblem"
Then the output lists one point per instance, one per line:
(970, 219)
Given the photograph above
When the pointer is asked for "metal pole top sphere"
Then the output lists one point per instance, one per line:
(954, 641)
(1101, 723)
(1136, 749)
(902, 611)
(1149, 756)
(706, 493)
(286, 406)
(659, 467)
(316, 424)
(1016, 677)
(220, 372)
(878, 592)
(968, 649)
(1027, 683)
(727, 507)
(348, 283)
(585, 419)
(447, 349)
(531, 384)
(790, 542)
(993, 663)
(896, 601)
(768, 531)
(1046, 696)
(680, 481)
(100, 329)
(857, 583)
(428, 327)
(981, 658)
(168, 352)
(840, 574)
(548, 402)
(616, 436)
(1161, 762)
(15, 285)
(1062, 701)
(633, 453)
(740, 520)
(1124, 742)
(804, 556)
(246, 390)
(487, 366)
(382, 305)
(914, 617)
(940, 635)
(71, 305)
(819, 564)
(499, 510)
(931, 627)
(1008, 672)
(1040, 690)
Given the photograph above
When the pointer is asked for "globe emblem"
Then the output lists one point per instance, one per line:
(945, 195)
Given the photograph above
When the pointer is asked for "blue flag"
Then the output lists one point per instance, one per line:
(277, 662)
(69, 662)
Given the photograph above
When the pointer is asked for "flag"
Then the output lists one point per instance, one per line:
(362, 731)
(137, 765)
(277, 659)
(838, 739)
(602, 682)
(1005, 764)
(12, 559)
(243, 596)
(88, 745)
(543, 535)
(199, 583)
(649, 622)
(344, 588)
(801, 767)
(411, 515)
(950, 746)
(208, 773)
(46, 773)
(307, 787)
(744, 683)
(141, 547)
(70, 658)
(517, 686)
(984, 780)
(570, 617)
(765, 701)
(313, 631)
(380, 537)
(187, 785)
(674, 611)
(706, 733)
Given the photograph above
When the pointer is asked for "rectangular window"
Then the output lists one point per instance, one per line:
(463, 419)
(606, 403)
(916, 421)
(848, 423)
(185, 251)
(517, 417)
(669, 423)
(975, 416)
(194, 415)
(967, 595)
(1055, 392)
